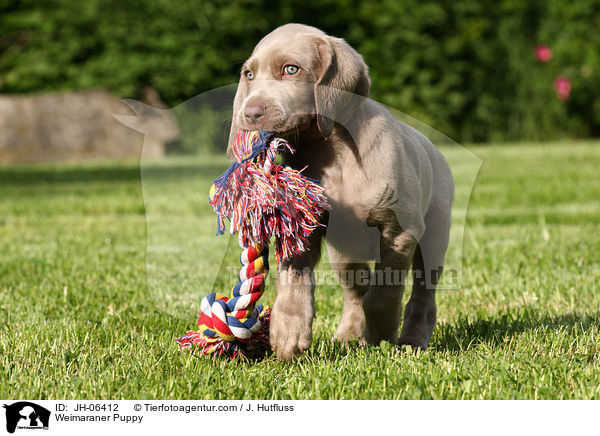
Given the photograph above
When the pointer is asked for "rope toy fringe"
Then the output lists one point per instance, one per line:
(260, 199)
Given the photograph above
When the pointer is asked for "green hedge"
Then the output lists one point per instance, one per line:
(466, 68)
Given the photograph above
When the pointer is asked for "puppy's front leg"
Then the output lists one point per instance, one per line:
(293, 311)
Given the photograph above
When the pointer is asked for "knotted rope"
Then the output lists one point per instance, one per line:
(225, 323)
(260, 199)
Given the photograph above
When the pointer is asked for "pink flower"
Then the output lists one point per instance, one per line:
(562, 86)
(543, 53)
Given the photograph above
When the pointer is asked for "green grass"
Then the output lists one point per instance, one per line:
(82, 317)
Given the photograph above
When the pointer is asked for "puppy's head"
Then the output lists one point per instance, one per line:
(298, 75)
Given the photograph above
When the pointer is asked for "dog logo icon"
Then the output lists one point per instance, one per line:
(26, 415)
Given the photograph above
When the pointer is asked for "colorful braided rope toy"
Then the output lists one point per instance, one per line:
(261, 199)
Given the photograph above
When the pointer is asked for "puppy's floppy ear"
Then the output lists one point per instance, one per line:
(343, 84)
(240, 95)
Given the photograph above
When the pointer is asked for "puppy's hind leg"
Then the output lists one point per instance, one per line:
(383, 303)
(420, 312)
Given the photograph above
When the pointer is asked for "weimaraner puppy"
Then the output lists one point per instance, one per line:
(389, 188)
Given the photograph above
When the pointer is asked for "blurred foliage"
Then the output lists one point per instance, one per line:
(204, 128)
(466, 68)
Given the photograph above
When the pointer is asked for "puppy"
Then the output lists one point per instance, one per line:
(389, 188)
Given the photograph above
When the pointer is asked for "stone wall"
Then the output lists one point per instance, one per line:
(81, 125)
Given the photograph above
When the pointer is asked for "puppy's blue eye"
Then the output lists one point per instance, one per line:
(290, 69)
(249, 75)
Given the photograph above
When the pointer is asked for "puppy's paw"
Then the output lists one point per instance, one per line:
(374, 336)
(351, 326)
(413, 341)
(290, 329)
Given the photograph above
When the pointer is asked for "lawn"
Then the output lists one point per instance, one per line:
(100, 272)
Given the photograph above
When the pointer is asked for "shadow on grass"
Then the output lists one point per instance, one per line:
(458, 336)
(465, 333)
(99, 172)
(29, 175)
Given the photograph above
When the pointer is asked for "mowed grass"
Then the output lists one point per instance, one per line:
(87, 312)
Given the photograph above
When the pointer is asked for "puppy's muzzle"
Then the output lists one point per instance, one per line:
(254, 111)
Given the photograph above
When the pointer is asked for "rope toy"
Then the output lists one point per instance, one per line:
(261, 199)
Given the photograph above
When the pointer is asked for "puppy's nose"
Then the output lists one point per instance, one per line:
(254, 111)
